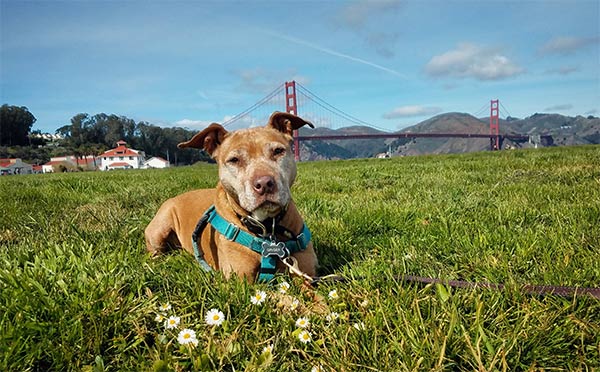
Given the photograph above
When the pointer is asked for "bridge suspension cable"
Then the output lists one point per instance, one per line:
(505, 110)
(332, 109)
(269, 97)
(482, 110)
(261, 110)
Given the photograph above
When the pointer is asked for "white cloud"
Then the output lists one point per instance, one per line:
(382, 42)
(190, 123)
(264, 81)
(563, 70)
(246, 121)
(365, 19)
(561, 107)
(567, 44)
(251, 120)
(411, 111)
(472, 61)
(356, 14)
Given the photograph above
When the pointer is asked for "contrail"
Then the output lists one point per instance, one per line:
(334, 53)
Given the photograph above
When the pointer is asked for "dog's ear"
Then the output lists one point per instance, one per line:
(287, 123)
(209, 139)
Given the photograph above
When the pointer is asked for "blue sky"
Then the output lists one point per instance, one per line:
(389, 63)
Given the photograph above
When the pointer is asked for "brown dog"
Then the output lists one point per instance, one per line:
(256, 171)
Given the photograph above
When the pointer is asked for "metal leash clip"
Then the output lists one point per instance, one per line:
(292, 265)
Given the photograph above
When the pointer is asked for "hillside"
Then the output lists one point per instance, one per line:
(444, 123)
(341, 149)
(564, 130)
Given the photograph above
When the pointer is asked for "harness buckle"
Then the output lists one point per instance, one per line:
(231, 232)
(275, 249)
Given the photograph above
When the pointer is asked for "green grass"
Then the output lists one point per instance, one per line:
(78, 292)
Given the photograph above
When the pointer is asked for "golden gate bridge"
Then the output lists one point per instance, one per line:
(322, 114)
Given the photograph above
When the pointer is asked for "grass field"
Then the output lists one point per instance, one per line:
(78, 292)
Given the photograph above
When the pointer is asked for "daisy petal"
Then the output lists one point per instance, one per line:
(214, 317)
(187, 337)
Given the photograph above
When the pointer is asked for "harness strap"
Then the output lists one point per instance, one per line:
(270, 250)
(195, 235)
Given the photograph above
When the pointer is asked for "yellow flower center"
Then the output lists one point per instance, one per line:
(186, 336)
(216, 317)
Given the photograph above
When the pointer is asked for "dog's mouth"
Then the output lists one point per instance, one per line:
(267, 209)
(262, 207)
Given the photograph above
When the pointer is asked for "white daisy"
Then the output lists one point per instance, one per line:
(258, 298)
(164, 307)
(359, 326)
(214, 317)
(304, 337)
(172, 322)
(317, 368)
(333, 295)
(159, 318)
(187, 336)
(284, 287)
(332, 316)
(294, 305)
(267, 349)
(302, 322)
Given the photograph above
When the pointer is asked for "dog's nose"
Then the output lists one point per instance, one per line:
(264, 185)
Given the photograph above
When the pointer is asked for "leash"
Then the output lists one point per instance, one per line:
(271, 250)
(529, 289)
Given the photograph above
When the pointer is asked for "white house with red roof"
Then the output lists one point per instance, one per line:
(156, 162)
(70, 162)
(121, 157)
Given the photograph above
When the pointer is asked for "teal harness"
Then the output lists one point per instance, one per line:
(269, 248)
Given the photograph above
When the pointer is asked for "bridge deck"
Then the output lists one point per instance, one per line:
(514, 137)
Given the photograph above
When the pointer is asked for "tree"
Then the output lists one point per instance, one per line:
(15, 125)
(90, 135)
(74, 133)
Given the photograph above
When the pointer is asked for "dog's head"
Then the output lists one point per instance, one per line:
(256, 165)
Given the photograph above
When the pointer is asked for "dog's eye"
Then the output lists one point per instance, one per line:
(233, 160)
(278, 151)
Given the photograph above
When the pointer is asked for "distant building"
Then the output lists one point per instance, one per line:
(70, 162)
(385, 155)
(14, 166)
(47, 136)
(88, 162)
(122, 157)
(54, 165)
(156, 162)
